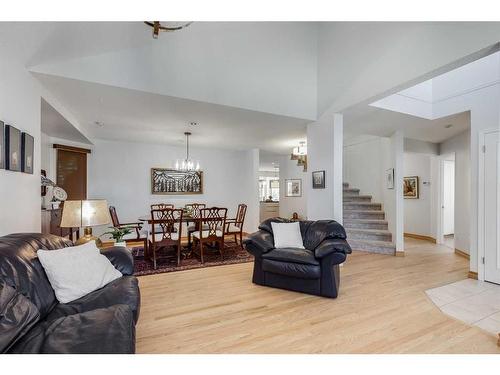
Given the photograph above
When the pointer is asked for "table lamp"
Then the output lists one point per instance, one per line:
(86, 214)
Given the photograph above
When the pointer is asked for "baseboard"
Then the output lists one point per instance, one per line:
(420, 237)
(399, 253)
(472, 275)
(462, 253)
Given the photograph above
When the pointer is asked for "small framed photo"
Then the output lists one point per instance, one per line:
(293, 188)
(2, 145)
(389, 178)
(12, 148)
(410, 187)
(27, 150)
(318, 179)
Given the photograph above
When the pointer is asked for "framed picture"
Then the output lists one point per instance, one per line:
(318, 179)
(2, 145)
(293, 188)
(27, 149)
(174, 182)
(389, 178)
(410, 187)
(12, 148)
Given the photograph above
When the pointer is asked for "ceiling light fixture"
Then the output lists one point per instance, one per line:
(187, 165)
(166, 26)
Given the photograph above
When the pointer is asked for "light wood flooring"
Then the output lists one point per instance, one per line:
(382, 308)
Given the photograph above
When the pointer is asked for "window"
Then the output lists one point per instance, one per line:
(269, 187)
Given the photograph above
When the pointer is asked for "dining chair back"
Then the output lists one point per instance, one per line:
(166, 224)
(240, 215)
(194, 209)
(212, 224)
(161, 206)
(114, 216)
(136, 234)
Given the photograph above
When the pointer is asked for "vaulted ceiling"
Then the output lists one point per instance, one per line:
(248, 84)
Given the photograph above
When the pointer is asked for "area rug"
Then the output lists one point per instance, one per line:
(232, 254)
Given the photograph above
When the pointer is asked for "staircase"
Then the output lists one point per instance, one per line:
(365, 224)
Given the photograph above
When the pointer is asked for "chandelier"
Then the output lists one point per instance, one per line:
(166, 26)
(187, 165)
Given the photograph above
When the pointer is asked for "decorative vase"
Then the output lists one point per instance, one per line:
(121, 244)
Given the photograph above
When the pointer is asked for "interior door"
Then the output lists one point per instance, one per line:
(448, 197)
(492, 208)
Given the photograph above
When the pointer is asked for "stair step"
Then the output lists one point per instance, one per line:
(369, 234)
(366, 224)
(379, 247)
(364, 214)
(363, 206)
(357, 198)
(351, 191)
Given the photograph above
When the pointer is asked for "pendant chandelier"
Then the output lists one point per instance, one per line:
(187, 164)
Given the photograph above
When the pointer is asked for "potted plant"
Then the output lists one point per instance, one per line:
(118, 233)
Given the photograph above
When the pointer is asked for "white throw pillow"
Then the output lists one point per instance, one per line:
(287, 235)
(76, 271)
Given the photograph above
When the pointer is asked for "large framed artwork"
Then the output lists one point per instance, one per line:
(12, 148)
(410, 187)
(2, 145)
(172, 181)
(27, 149)
(293, 188)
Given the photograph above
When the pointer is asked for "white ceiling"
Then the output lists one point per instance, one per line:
(55, 125)
(137, 116)
(383, 123)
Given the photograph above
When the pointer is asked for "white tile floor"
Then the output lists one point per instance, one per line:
(471, 301)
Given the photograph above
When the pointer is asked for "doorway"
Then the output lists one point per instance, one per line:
(491, 188)
(448, 206)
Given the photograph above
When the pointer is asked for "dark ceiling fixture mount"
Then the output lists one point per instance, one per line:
(166, 26)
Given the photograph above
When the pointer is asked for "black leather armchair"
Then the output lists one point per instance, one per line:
(33, 321)
(313, 270)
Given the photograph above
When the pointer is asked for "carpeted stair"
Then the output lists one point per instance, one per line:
(365, 224)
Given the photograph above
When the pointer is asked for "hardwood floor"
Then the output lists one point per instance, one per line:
(382, 308)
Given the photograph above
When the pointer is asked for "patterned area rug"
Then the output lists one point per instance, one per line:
(167, 261)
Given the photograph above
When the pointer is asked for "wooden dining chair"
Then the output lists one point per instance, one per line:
(136, 227)
(167, 230)
(235, 226)
(193, 209)
(214, 219)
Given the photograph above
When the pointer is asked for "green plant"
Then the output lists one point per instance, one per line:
(118, 233)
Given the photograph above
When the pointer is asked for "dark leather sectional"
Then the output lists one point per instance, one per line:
(33, 321)
(313, 270)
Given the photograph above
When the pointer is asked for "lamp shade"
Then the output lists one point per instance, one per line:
(85, 213)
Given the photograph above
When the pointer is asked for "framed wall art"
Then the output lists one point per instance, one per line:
(27, 150)
(173, 182)
(318, 179)
(389, 178)
(2, 145)
(410, 187)
(12, 148)
(293, 188)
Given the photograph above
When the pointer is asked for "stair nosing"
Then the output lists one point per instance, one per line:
(374, 242)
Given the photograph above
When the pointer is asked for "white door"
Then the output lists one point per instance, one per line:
(492, 208)
(448, 197)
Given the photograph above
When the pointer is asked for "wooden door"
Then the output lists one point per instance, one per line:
(72, 173)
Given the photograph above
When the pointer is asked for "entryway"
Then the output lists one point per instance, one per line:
(490, 185)
(448, 201)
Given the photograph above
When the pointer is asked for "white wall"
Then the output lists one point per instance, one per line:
(289, 205)
(20, 107)
(460, 146)
(417, 212)
(364, 165)
(120, 173)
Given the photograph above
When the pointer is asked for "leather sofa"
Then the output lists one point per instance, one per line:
(313, 270)
(33, 321)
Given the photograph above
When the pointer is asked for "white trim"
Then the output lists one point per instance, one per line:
(481, 211)
(440, 197)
